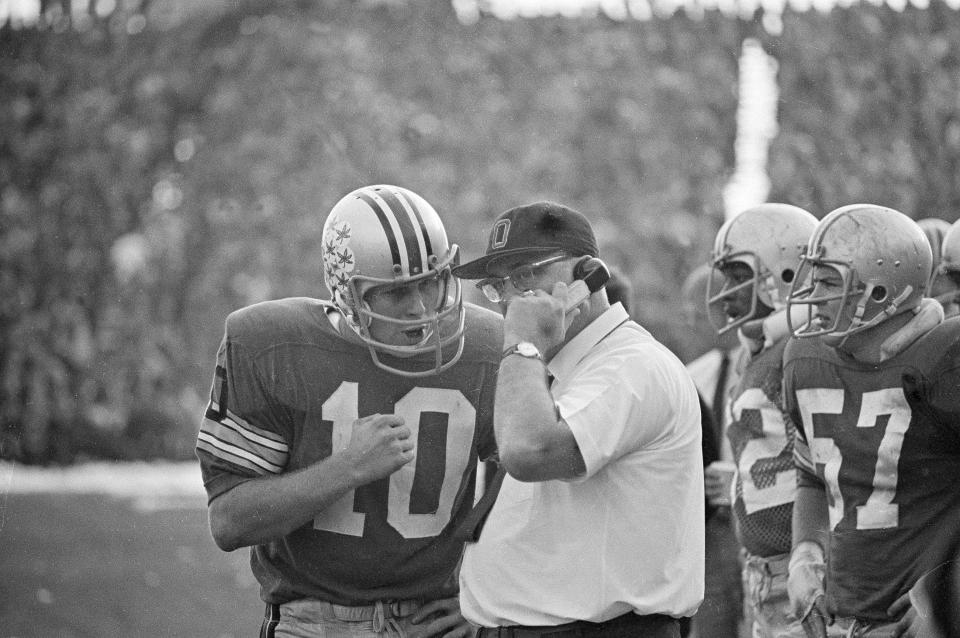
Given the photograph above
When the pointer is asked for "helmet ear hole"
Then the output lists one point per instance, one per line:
(787, 275)
(879, 293)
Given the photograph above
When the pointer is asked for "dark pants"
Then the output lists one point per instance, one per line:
(722, 608)
(629, 625)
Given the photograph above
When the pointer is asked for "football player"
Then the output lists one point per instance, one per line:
(878, 438)
(756, 255)
(947, 275)
(341, 437)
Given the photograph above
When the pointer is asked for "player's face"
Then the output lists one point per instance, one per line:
(943, 284)
(828, 284)
(408, 302)
(739, 301)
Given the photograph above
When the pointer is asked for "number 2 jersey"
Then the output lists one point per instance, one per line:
(884, 442)
(761, 438)
(286, 392)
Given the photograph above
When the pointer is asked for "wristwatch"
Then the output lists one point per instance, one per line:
(524, 349)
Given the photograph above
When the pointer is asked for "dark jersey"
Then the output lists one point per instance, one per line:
(286, 392)
(761, 438)
(883, 441)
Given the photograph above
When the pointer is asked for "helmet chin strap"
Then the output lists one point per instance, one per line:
(883, 315)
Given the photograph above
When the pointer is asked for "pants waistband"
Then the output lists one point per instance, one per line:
(579, 627)
(379, 609)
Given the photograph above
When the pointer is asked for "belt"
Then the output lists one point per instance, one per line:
(579, 627)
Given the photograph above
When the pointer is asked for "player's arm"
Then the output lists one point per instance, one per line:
(810, 517)
(268, 507)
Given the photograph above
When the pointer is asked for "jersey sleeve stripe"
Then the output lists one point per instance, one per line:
(231, 434)
(239, 456)
(265, 438)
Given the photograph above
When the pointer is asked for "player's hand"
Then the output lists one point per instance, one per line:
(440, 618)
(717, 479)
(911, 624)
(805, 580)
(380, 444)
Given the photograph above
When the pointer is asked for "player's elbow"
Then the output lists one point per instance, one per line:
(226, 534)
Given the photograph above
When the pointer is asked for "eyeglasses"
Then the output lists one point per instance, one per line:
(521, 277)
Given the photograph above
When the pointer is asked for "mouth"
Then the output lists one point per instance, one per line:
(732, 313)
(415, 334)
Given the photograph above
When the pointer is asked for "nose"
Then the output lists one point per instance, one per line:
(414, 304)
(818, 295)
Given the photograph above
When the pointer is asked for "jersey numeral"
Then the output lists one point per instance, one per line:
(878, 511)
(341, 408)
(759, 455)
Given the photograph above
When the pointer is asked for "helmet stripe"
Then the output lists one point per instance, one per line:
(385, 223)
(428, 248)
(407, 230)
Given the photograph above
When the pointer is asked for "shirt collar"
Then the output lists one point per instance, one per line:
(572, 352)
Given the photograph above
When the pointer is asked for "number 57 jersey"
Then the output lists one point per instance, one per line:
(286, 393)
(883, 441)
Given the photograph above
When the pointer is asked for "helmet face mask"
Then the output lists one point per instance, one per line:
(883, 260)
(381, 245)
(768, 239)
(839, 292)
(735, 288)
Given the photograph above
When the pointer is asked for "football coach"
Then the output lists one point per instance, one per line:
(598, 528)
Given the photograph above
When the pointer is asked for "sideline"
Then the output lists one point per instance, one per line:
(155, 485)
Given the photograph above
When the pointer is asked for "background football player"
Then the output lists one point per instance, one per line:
(946, 278)
(878, 439)
(756, 255)
(341, 437)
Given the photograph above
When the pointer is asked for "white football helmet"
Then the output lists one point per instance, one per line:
(950, 250)
(769, 239)
(388, 235)
(883, 258)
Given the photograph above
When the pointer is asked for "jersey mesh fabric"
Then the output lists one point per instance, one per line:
(761, 438)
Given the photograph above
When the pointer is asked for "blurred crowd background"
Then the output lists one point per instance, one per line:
(164, 162)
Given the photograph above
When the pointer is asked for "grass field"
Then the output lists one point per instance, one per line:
(122, 551)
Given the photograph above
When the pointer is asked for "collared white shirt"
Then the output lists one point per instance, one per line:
(628, 534)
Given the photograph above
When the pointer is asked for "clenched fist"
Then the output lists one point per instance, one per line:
(380, 444)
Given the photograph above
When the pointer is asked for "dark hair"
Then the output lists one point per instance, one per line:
(619, 289)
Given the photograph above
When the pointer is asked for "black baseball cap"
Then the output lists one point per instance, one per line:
(533, 230)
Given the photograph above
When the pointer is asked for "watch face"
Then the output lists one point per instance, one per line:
(527, 349)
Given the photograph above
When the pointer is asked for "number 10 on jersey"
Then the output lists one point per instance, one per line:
(341, 408)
